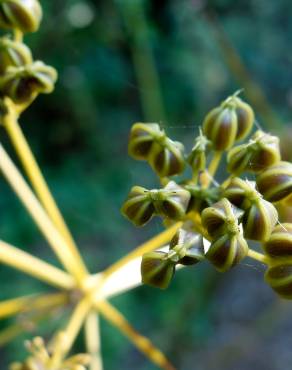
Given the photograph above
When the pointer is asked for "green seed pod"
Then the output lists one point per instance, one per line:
(157, 270)
(221, 218)
(202, 198)
(167, 158)
(229, 122)
(227, 251)
(188, 247)
(259, 220)
(142, 137)
(22, 84)
(279, 277)
(171, 202)
(197, 157)
(260, 152)
(138, 207)
(24, 15)
(275, 183)
(236, 191)
(13, 53)
(280, 242)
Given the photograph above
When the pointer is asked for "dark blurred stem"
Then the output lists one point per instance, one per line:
(233, 60)
(143, 59)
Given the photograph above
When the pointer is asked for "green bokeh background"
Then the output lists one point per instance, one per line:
(157, 61)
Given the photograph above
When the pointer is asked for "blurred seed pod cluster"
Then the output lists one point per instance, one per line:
(220, 218)
(21, 78)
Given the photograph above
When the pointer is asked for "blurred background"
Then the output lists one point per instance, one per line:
(122, 61)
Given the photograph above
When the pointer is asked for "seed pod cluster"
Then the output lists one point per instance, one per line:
(230, 122)
(148, 142)
(228, 246)
(24, 15)
(259, 153)
(171, 202)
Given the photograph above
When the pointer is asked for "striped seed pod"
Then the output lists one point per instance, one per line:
(13, 53)
(197, 157)
(260, 152)
(202, 198)
(187, 246)
(275, 183)
(279, 277)
(24, 15)
(157, 270)
(229, 122)
(259, 220)
(138, 207)
(22, 84)
(142, 137)
(221, 218)
(167, 158)
(280, 242)
(171, 202)
(227, 251)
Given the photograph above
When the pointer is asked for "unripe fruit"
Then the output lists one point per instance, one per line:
(24, 15)
(280, 242)
(197, 157)
(13, 53)
(22, 84)
(279, 277)
(157, 270)
(275, 183)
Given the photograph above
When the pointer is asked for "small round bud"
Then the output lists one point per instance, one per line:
(197, 157)
(260, 152)
(22, 84)
(259, 220)
(171, 202)
(221, 218)
(188, 247)
(167, 158)
(138, 207)
(229, 122)
(279, 277)
(227, 251)
(142, 137)
(13, 53)
(157, 270)
(275, 183)
(280, 242)
(24, 15)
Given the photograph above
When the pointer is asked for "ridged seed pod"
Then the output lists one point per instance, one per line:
(202, 198)
(229, 122)
(259, 220)
(260, 152)
(13, 53)
(22, 84)
(197, 157)
(227, 251)
(221, 218)
(167, 158)
(157, 270)
(241, 193)
(279, 277)
(275, 183)
(142, 137)
(171, 202)
(280, 242)
(138, 207)
(188, 246)
(24, 15)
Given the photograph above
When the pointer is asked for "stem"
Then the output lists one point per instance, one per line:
(39, 184)
(258, 256)
(38, 214)
(92, 338)
(18, 35)
(30, 303)
(112, 315)
(213, 166)
(35, 267)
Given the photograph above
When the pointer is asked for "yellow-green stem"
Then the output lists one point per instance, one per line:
(92, 339)
(258, 256)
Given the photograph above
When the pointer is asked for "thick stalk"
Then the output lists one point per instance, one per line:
(38, 182)
(92, 339)
(39, 216)
(35, 267)
(112, 315)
